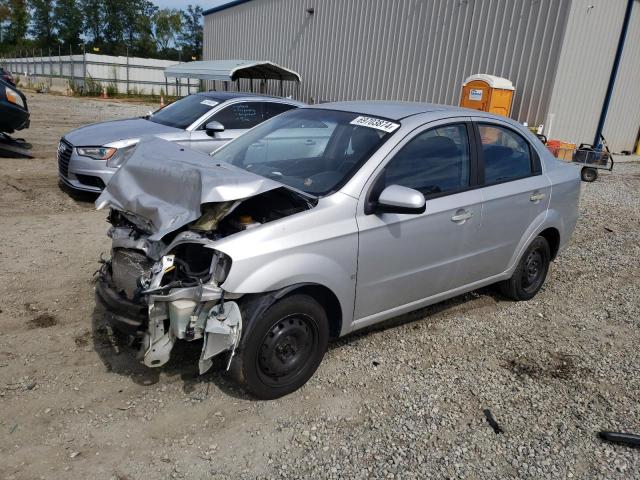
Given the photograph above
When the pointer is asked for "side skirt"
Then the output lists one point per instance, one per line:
(425, 302)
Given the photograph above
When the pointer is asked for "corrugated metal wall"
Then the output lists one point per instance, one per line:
(623, 120)
(418, 50)
(591, 38)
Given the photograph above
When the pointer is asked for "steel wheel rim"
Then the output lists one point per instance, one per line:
(286, 349)
(532, 270)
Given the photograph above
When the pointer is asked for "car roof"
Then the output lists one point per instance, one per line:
(224, 96)
(400, 110)
(390, 110)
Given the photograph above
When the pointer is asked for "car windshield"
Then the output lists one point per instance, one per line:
(313, 150)
(183, 112)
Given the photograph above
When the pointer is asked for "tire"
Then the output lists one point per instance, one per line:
(588, 174)
(530, 273)
(284, 348)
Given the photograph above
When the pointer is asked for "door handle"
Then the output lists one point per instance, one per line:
(309, 142)
(537, 196)
(461, 216)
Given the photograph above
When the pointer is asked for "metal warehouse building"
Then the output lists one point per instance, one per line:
(559, 54)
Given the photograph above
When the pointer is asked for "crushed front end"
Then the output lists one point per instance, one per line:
(158, 292)
(169, 206)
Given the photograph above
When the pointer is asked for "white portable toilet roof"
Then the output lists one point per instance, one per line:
(492, 80)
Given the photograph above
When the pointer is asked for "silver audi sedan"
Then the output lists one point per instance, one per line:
(90, 155)
(322, 221)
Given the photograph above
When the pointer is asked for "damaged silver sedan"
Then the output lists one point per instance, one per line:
(322, 221)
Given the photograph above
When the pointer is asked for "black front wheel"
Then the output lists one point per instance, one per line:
(530, 273)
(284, 349)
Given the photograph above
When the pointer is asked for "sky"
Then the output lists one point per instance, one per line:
(205, 4)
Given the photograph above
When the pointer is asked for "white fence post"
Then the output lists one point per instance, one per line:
(73, 69)
(127, 70)
(84, 66)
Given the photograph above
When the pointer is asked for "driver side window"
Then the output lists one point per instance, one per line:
(433, 162)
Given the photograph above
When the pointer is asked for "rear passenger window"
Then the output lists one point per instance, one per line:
(240, 116)
(436, 161)
(273, 109)
(507, 155)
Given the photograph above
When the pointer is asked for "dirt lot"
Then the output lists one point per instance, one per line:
(402, 401)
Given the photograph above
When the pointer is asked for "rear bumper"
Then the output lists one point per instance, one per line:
(128, 317)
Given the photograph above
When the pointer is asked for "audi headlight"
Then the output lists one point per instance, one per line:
(13, 97)
(125, 148)
(120, 157)
(115, 153)
(97, 153)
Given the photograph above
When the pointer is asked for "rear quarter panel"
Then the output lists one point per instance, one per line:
(565, 197)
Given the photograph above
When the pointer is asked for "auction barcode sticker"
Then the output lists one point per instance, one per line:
(377, 123)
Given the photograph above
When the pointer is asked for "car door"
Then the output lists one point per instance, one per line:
(515, 193)
(405, 258)
(236, 119)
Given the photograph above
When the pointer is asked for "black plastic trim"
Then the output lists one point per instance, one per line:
(123, 315)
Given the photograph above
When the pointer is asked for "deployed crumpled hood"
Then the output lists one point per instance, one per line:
(102, 133)
(166, 184)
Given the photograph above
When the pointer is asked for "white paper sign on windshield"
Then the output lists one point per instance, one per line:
(377, 123)
(211, 103)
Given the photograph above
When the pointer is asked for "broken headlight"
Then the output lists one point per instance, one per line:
(221, 266)
(195, 264)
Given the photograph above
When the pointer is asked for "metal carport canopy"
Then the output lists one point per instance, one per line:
(231, 70)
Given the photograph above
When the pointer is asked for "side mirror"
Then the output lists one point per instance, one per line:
(399, 199)
(214, 127)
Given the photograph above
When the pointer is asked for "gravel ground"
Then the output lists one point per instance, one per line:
(404, 400)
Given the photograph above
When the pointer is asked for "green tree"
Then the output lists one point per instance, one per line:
(191, 34)
(18, 22)
(168, 24)
(93, 14)
(42, 21)
(5, 15)
(145, 44)
(138, 25)
(68, 21)
(115, 20)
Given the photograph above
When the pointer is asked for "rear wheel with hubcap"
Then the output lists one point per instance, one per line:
(284, 348)
(530, 273)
